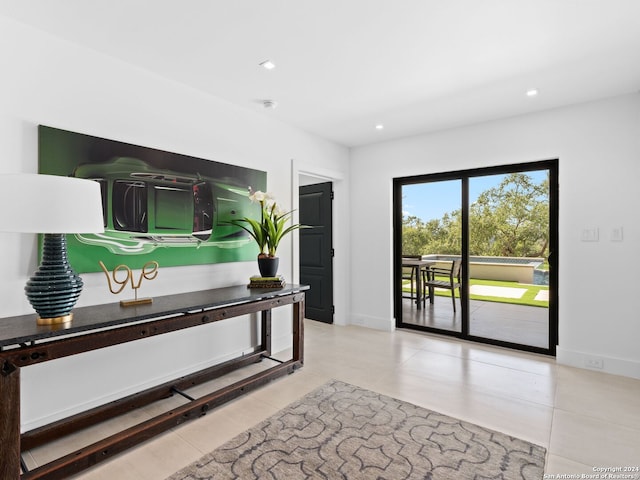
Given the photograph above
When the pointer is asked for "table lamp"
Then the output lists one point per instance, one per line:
(54, 206)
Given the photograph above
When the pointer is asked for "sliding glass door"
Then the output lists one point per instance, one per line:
(508, 251)
(432, 233)
(500, 225)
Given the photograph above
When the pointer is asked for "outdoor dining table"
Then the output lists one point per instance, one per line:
(418, 267)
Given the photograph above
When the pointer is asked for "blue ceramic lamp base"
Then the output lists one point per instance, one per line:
(54, 288)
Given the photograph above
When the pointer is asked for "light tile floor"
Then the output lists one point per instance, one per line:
(585, 419)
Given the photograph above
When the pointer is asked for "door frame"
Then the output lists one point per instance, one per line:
(464, 176)
(341, 275)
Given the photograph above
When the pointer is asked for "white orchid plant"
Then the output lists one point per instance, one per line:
(271, 228)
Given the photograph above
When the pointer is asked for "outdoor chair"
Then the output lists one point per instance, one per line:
(451, 283)
(410, 273)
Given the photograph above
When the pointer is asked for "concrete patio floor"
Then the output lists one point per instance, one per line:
(520, 324)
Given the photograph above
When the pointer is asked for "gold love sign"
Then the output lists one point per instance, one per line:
(149, 272)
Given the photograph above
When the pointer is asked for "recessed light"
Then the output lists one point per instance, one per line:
(379, 126)
(268, 64)
(532, 92)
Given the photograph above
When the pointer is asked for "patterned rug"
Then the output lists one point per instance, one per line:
(341, 431)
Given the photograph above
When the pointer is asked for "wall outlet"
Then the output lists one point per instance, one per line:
(594, 362)
(590, 234)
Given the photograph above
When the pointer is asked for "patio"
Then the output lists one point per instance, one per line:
(499, 321)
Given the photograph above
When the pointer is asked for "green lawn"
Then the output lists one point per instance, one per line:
(526, 299)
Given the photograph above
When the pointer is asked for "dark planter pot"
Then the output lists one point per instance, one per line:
(268, 266)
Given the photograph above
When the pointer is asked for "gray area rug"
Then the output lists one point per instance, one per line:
(341, 431)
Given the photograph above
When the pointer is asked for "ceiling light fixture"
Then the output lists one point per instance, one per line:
(379, 126)
(269, 104)
(268, 65)
(532, 92)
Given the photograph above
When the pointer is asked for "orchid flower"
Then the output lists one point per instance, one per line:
(271, 228)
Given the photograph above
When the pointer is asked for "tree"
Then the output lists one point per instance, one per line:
(508, 220)
(414, 235)
(511, 219)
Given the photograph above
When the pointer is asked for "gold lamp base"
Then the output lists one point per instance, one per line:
(55, 320)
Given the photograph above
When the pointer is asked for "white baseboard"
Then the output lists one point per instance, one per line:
(598, 363)
(377, 323)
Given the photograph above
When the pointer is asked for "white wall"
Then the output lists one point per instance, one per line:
(49, 81)
(598, 146)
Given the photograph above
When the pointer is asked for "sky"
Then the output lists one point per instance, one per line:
(416, 199)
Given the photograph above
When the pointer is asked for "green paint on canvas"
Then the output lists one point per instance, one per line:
(171, 208)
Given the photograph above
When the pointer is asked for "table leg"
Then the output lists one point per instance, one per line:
(10, 421)
(419, 288)
(266, 331)
(298, 331)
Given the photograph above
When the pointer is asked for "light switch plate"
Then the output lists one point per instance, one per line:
(616, 234)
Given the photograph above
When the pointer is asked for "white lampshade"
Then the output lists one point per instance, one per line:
(32, 203)
(54, 206)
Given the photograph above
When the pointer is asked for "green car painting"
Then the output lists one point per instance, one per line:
(162, 206)
(145, 208)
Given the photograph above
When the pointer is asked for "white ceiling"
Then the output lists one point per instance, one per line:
(343, 66)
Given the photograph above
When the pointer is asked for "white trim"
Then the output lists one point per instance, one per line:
(377, 323)
(612, 365)
(341, 277)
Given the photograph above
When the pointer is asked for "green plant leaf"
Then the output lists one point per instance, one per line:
(269, 231)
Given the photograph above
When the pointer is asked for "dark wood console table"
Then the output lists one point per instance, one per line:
(23, 343)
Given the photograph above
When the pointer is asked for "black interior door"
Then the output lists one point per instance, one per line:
(316, 250)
